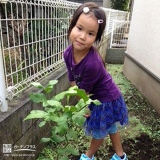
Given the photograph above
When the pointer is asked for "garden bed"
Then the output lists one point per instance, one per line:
(140, 139)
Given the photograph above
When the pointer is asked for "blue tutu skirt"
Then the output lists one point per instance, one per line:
(104, 116)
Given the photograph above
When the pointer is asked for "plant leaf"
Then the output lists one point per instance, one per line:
(82, 94)
(68, 151)
(56, 138)
(61, 130)
(79, 118)
(73, 151)
(37, 85)
(61, 95)
(51, 110)
(52, 117)
(50, 85)
(45, 104)
(73, 88)
(55, 103)
(80, 104)
(36, 114)
(62, 124)
(61, 151)
(45, 140)
(73, 134)
(42, 123)
(70, 109)
(37, 97)
(96, 102)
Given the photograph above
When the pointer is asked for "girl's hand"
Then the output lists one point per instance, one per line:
(88, 113)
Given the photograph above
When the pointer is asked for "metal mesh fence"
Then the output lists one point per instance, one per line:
(33, 38)
(119, 35)
(33, 35)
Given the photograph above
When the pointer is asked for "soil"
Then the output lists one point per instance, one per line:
(146, 144)
(142, 147)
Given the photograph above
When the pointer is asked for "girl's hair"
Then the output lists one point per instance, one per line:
(97, 12)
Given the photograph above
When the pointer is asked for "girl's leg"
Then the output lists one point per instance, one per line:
(95, 144)
(116, 142)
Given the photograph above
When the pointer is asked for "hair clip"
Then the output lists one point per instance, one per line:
(86, 10)
(100, 20)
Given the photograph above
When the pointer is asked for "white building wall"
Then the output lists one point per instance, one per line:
(144, 36)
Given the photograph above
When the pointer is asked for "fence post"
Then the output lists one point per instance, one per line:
(113, 25)
(3, 101)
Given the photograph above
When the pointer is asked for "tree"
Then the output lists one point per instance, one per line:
(122, 5)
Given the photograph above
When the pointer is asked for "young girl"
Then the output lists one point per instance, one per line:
(87, 71)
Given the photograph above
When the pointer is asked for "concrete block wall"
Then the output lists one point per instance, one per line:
(15, 131)
(115, 55)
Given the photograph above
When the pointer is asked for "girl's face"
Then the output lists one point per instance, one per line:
(84, 33)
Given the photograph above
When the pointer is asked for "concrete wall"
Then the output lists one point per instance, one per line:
(144, 35)
(147, 84)
(15, 131)
(107, 3)
(115, 55)
(142, 61)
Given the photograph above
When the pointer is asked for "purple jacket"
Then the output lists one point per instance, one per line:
(91, 75)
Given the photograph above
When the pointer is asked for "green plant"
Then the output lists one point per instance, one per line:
(120, 4)
(65, 120)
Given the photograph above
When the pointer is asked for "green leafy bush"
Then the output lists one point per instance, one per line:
(67, 118)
